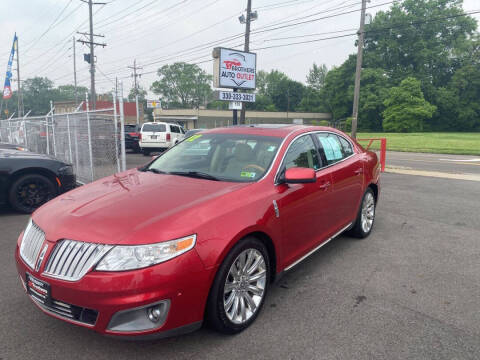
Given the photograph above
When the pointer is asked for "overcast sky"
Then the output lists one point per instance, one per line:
(157, 32)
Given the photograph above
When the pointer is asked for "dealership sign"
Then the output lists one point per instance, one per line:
(234, 69)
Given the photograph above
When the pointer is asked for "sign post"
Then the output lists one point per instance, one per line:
(234, 69)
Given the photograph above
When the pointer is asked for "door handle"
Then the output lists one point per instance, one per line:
(359, 171)
(325, 185)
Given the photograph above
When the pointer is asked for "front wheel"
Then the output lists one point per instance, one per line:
(240, 287)
(31, 191)
(366, 216)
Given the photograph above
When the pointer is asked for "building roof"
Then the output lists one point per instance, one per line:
(278, 130)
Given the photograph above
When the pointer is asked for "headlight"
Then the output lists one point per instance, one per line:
(66, 170)
(122, 258)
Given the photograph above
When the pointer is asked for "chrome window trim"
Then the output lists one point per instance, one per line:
(275, 182)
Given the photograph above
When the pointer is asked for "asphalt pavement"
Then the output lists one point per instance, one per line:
(409, 291)
(454, 164)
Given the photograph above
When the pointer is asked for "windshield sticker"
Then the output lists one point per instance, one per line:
(194, 137)
(271, 148)
(248, 174)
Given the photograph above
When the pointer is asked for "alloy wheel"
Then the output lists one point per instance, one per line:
(244, 287)
(368, 212)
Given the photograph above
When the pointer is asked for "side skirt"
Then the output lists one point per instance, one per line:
(318, 247)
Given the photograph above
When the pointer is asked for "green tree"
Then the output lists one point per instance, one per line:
(402, 42)
(311, 101)
(316, 76)
(142, 95)
(37, 93)
(184, 85)
(375, 85)
(337, 93)
(67, 93)
(406, 108)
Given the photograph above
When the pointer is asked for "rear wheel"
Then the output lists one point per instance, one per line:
(240, 287)
(31, 191)
(145, 152)
(366, 216)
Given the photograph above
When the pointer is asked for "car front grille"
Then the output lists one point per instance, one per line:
(68, 311)
(70, 260)
(33, 238)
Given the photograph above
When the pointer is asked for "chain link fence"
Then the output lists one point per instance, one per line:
(89, 140)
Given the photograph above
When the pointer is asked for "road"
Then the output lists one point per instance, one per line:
(409, 291)
(463, 164)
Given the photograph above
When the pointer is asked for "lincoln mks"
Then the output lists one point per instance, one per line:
(200, 233)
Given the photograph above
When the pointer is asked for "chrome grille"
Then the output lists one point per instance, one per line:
(70, 260)
(33, 238)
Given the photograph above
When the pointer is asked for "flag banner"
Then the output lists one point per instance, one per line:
(7, 88)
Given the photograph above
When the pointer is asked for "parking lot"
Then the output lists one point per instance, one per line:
(409, 291)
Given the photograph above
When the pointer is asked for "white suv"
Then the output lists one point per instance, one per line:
(158, 136)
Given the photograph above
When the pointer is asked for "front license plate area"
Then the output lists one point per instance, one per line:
(38, 289)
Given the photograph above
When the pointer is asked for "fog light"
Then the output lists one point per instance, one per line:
(154, 313)
(142, 318)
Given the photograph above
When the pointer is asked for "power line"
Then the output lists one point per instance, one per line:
(50, 27)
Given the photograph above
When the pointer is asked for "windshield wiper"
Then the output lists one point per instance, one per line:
(195, 174)
(156, 171)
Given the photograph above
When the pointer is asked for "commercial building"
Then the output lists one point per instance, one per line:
(203, 118)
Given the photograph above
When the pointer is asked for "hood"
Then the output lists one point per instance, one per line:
(13, 153)
(133, 207)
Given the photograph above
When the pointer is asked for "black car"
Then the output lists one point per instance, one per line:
(7, 146)
(132, 136)
(28, 180)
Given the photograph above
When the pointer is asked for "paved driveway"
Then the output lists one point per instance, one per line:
(409, 291)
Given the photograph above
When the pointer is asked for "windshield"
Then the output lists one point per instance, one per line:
(227, 157)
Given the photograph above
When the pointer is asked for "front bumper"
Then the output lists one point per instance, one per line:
(183, 281)
(66, 183)
(155, 145)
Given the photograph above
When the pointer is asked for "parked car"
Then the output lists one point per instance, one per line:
(28, 180)
(132, 137)
(192, 132)
(6, 146)
(197, 236)
(159, 136)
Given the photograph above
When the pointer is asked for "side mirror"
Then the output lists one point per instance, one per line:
(300, 175)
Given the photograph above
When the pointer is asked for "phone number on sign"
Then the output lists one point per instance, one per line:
(232, 96)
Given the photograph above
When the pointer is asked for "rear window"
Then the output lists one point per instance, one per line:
(154, 127)
(130, 128)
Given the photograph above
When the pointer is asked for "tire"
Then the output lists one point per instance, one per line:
(30, 191)
(366, 216)
(221, 314)
(145, 152)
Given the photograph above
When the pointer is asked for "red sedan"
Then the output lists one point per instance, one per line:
(199, 233)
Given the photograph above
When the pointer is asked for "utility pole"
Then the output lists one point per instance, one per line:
(246, 49)
(358, 72)
(75, 72)
(20, 98)
(135, 75)
(92, 51)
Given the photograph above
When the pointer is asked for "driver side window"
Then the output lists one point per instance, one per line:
(302, 153)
